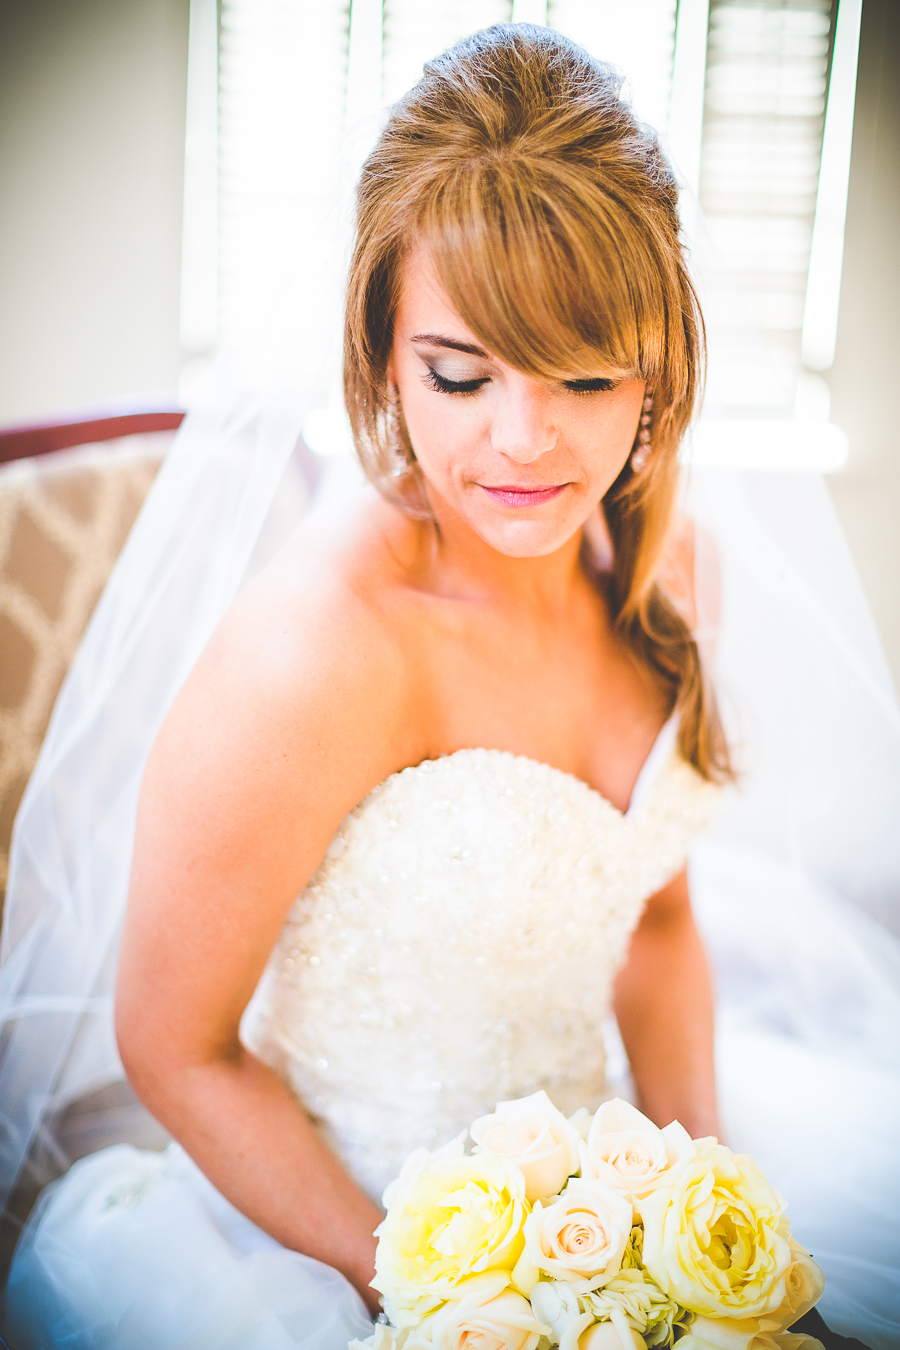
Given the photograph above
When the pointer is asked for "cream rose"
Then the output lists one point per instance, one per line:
(451, 1218)
(535, 1136)
(804, 1286)
(611, 1336)
(579, 1238)
(487, 1315)
(627, 1150)
(714, 1237)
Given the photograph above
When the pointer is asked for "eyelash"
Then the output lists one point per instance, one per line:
(598, 386)
(463, 387)
(466, 388)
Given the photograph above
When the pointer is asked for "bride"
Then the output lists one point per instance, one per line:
(462, 717)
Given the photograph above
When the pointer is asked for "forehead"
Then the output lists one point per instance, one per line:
(502, 323)
(424, 305)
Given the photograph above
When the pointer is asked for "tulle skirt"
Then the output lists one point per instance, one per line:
(135, 1250)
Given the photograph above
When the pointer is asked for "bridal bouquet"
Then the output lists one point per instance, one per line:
(595, 1233)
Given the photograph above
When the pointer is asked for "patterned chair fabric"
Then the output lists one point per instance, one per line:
(63, 520)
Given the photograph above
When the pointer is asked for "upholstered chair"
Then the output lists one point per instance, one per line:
(64, 516)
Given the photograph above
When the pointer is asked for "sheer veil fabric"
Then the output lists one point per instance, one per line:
(796, 886)
(208, 514)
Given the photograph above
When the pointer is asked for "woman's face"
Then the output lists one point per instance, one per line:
(522, 461)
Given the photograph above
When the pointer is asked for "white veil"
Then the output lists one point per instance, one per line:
(797, 885)
(219, 489)
(815, 729)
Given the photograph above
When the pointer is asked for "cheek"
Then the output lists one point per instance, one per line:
(444, 432)
(603, 440)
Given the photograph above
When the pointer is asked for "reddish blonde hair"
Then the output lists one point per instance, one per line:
(551, 216)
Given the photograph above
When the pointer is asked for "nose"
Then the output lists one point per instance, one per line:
(523, 427)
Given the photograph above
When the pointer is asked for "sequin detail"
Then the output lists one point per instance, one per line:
(457, 946)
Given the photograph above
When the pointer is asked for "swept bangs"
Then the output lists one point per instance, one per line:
(550, 272)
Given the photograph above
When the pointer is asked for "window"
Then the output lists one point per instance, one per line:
(738, 88)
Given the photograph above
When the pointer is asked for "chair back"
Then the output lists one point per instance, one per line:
(69, 494)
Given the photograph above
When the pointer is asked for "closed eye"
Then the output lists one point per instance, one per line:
(598, 386)
(445, 386)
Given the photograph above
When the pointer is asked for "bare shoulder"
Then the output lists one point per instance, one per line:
(319, 636)
(304, 700)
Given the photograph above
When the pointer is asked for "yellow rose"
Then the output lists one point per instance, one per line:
(804, 1285)
(713, 1237)
(452, 1218)
(785, 1340)
(534, 1135)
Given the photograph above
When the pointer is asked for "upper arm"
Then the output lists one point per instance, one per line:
(671, 902)
(292, 715)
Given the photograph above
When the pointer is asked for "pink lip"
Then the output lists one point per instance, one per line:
(522, 496)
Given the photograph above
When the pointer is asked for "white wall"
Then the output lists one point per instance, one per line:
(91, 165)
(866, 373)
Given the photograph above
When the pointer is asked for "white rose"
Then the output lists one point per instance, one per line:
(557, 1306)
(581, 1121)
(488, 1315)
(534, 1135)
(627, 1150)
(580, 1238)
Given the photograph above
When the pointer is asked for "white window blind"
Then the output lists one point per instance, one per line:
(767, 74)
(737, 88)
(281, 112)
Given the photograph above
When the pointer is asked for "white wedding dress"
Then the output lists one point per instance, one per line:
(456, 947)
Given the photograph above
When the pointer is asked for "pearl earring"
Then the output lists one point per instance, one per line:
(400, 459)
(641, 452)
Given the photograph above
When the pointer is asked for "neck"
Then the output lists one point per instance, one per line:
(460, 561)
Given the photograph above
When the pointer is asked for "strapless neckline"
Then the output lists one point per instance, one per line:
(458, 945)
(646, 777)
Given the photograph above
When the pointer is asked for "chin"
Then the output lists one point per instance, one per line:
(526, 538)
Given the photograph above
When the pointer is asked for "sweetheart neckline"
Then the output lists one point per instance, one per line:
(648, 776)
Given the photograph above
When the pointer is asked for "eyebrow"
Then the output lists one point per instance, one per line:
(436, 340)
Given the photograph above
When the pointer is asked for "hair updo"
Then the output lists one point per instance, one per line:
(551, 216)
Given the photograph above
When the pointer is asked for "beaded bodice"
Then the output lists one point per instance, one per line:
(457, 947)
